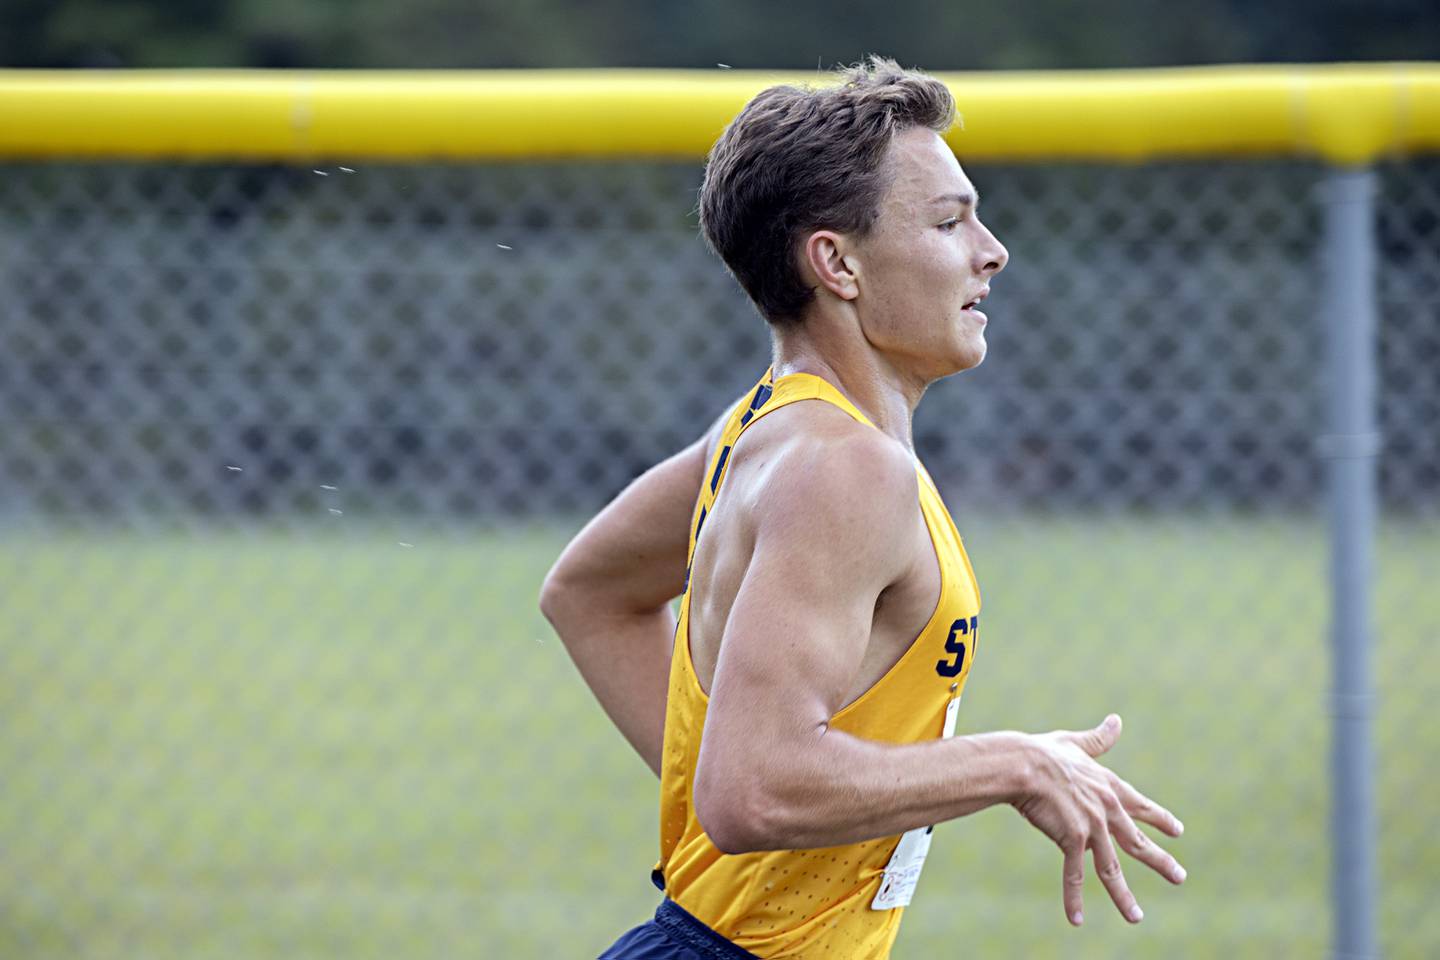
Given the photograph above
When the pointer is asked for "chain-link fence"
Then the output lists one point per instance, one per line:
(285, 452)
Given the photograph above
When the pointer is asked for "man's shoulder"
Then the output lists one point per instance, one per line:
(812, 463)
(815, 434)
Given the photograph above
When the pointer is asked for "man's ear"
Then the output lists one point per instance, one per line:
(825, 253)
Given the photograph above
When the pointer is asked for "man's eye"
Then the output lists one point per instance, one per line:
(950, 224)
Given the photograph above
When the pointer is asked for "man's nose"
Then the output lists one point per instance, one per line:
(992, 256)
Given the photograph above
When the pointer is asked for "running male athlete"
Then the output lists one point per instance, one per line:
(801, 720)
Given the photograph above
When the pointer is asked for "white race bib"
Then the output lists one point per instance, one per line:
(902, 873)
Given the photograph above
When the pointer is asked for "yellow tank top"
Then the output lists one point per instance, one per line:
(810, 903)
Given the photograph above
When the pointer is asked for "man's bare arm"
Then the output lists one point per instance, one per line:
(833, 530)
(608, 596)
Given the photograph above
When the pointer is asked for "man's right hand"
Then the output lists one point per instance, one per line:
(1080, 804)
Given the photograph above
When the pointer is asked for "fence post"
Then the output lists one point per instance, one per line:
(1350, 447)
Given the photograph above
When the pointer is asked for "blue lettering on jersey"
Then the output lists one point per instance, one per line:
(956, 646)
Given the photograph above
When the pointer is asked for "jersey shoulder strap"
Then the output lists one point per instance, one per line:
(768, 396)
(807, 386)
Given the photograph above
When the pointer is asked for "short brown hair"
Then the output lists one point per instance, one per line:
(797, 160)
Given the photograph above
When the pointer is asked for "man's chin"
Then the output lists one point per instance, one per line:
(970, 357)
(957, 364)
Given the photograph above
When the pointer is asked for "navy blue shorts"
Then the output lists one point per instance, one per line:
(674, 935)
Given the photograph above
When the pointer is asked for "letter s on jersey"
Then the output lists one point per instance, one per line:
(955, 646)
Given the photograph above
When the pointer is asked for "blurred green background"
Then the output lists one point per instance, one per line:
(390, 755)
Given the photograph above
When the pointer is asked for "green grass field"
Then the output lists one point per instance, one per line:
(248, 745)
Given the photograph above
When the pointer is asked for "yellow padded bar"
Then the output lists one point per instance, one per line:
(1344, 113)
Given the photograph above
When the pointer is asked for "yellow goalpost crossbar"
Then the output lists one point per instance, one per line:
(1348, 114)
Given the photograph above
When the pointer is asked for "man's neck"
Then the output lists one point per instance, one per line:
(885, 395)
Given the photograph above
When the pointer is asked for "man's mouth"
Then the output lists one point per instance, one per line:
(970, 305)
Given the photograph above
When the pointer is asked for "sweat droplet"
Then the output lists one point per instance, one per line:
(336, 512)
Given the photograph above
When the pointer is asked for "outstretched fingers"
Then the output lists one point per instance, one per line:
(1073, 878)
(1134, 842)
(1096, 810)
(1145, 810)
(1107, 868)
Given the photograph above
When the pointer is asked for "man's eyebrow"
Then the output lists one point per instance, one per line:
(963, 199)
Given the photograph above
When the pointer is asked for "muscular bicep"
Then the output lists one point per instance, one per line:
(830, 536)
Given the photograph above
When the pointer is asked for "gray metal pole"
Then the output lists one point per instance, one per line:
(1351, 447)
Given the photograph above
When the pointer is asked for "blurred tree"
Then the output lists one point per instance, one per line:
(105, 33)
(702, 33)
